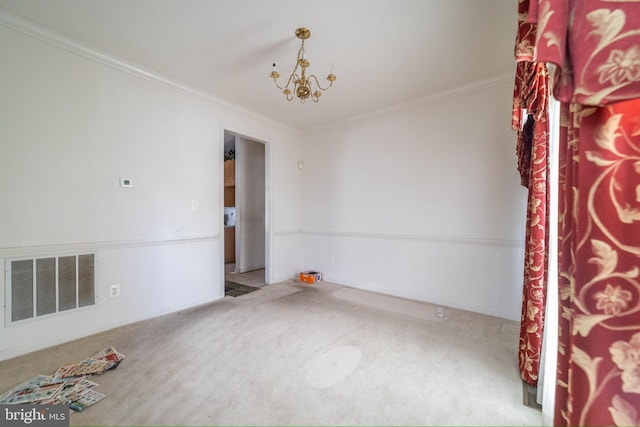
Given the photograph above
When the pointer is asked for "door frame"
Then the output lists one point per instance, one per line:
(267, 202)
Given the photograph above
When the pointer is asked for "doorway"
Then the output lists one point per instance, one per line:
(245, 211)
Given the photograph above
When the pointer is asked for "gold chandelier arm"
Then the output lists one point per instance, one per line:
(313, 76)
(288, 95)
(291, 77)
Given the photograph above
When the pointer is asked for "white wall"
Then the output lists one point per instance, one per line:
(421, 201)
(72, 124)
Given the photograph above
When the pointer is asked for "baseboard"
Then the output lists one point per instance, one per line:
(64, 338)
(416, 297)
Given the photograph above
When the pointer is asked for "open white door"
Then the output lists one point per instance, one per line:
(250, 205)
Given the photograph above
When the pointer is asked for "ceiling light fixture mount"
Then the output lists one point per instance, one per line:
(303, 86)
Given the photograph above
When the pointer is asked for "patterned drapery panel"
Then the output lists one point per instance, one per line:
(596, 47)
(599, 252)
(530, 119)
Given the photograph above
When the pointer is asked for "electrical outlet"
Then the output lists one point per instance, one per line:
(331, 260)
(114, 291)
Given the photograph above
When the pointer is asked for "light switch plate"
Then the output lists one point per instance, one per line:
(114, 291)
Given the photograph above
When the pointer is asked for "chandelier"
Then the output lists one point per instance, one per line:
(303, 86)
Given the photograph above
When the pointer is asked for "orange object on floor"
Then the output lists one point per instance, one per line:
(310, 277)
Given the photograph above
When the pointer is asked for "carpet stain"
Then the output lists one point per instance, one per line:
(332, 367)
(421, 310)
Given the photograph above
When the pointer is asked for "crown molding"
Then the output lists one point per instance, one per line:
(37, 31)
(419, 102)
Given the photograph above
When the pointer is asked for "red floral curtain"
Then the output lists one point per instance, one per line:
(530, 119)
(599, 346)
(596, 46)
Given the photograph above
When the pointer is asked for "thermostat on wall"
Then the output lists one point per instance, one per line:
(126, 183)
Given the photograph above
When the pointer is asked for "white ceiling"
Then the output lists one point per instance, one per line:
(385, 52)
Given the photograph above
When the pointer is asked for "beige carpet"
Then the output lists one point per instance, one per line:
(296, 354)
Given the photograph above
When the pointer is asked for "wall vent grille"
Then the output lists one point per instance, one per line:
(42, 286)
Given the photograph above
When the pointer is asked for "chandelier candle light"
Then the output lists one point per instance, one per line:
(303, 85)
